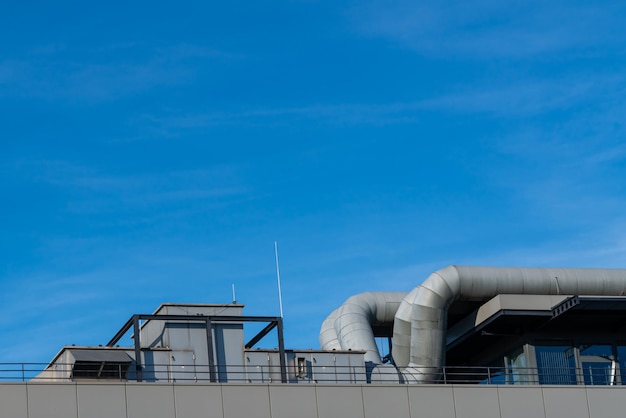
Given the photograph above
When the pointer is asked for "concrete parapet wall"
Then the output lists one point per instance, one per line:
(140, 400)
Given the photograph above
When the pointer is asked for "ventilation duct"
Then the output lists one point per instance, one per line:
(350, 325)
(420, 320)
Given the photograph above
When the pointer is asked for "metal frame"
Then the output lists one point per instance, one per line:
(209, 320)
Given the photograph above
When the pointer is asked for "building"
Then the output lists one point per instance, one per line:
(468, 342)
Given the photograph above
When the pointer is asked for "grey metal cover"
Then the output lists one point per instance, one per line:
(113, 356)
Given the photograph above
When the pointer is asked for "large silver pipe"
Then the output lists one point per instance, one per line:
(420, 317)
(328, 336)
(350, 325)
(426, 307)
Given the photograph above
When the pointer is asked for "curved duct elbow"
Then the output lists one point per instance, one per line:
(350, 326)
(328, 336)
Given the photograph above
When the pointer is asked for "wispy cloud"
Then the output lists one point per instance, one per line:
(494, 98)
(524, 98)
(172, 183)
(602, 247)
(569, 183)
(89, 190)
(101, 73)
(488, 28)
(334, 114)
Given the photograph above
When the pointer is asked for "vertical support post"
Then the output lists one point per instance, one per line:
(138, 365)
(209, 341)
(281, 351)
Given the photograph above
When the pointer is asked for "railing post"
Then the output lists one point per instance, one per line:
(23, 373)
(138, 363)
(281, 351)
(209, 338)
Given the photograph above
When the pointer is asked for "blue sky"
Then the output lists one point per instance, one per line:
(153, 152)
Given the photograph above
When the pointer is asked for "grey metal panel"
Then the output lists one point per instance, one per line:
(570, 402)
(194, 339)
(331, 367)
(182, 366)
(320, 366)
(228, 342)
(263, 366)
(198, 401)
(528, 303)
(606, 402)
(340, 401)
(357, 363)
(324, 371)
(178, 336)
(293, 401)
(13, 401)
(101, 400)
(153, 400)
(52, 400)
(101, 354)
(151, 334)
(156, 366)
(59, 369)
(432, 401)
(242, 401)
(343, 372)
(274, 367)
(199, 309)
(521, 402)
(477, 402)
(382, 401)
(257, 366)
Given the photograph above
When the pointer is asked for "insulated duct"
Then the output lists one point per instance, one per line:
(350, 325)
(420, 322)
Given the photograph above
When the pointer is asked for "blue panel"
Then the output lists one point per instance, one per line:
(556, 365)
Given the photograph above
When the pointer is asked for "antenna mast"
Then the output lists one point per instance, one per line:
(280, 295)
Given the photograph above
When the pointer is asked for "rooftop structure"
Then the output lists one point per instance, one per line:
(467, 324)
(468, 342)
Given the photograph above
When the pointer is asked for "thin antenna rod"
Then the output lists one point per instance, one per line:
(234, 297)
(280, 295)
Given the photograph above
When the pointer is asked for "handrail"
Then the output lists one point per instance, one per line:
(253, 373)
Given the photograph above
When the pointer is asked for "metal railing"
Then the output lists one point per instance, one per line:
(20, 372)
(255, 373)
